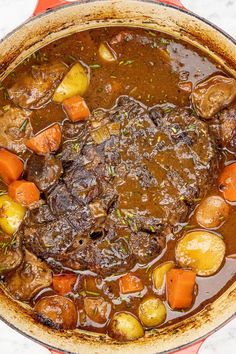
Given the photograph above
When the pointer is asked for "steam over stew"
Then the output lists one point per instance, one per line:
(118, 182)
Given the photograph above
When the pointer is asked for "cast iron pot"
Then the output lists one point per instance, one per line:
(58, 18)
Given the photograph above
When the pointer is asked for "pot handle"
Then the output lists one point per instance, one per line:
(44, 5)
(193, 349)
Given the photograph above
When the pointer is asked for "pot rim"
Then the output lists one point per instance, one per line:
(158, 3)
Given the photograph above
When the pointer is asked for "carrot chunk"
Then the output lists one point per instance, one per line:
(24, 192)
(76, 108)
(227, 182)
(129, 283)
(180, 287)
(11, 167)
(63, 284)
(47, 141)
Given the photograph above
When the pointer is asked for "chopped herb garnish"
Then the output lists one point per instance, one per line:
(153, 34)
(76, 147)
(189, 227)
(127, 237)
(197, 199)
(125, 251)
(5, 95)
(94, 66)
(174, 130)
(2, 192)
(111, 171)
(152, 228)
(222, 218)
(24, 125)
(164, 41)
(82, 293)
(92, 293)
(71, 57)
(95, 311)
(148, 268)
(191, 127)
(6, 107)
(128, 62)
(167, 109)
(118, 213)
(125, 132)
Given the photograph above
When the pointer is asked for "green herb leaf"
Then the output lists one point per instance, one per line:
(94, 66)
(164, 41)
(92, 293)
(111, 171)
(76, 147)
(24, 125)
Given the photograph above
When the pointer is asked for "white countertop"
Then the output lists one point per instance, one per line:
(220, 12)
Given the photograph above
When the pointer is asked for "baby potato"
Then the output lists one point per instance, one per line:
(212, 211)
(11, 214)
(125, 327)
(159, 274)
(106, 53)
(74, 83)
(201, 251)
(152, 311)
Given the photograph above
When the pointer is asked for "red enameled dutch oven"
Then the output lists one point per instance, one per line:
(57, 18)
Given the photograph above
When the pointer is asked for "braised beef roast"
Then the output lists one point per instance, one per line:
(129, 175)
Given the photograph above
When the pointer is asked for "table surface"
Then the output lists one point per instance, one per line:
(220, 12)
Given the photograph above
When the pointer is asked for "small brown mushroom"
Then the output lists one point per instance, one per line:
(57, 312)
(32, 276)
(212, 95)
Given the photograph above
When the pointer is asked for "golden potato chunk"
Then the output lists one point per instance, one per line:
(159, 275)
(74, 83)
(212, 211)
(201, 251)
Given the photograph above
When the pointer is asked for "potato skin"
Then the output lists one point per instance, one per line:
(202, 251)
(125, 327)
(152, 311)
(159, 275)
(212, 211)
(57, 312)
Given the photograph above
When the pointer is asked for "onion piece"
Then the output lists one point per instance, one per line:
(100, 135)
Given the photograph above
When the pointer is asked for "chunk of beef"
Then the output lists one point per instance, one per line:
(34, 90)
(30, 278)
(227, 125)
(44, 171)
(117, 200)
(15, 129)
(11, 254)
(211, 96)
